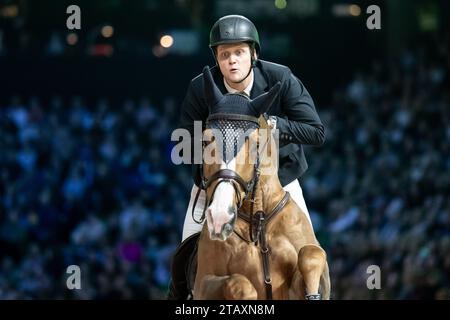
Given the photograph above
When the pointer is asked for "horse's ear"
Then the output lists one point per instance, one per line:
(262, 103)
(212, 93)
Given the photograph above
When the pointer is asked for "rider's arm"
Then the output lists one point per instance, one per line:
(303, 124)
(193, 109)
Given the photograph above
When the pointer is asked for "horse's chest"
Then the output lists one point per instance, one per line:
(247, 258)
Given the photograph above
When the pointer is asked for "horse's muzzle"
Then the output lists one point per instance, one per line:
(218, 231)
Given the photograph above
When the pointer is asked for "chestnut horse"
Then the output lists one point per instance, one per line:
(257, 243)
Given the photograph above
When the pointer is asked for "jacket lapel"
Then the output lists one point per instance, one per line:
(260, 84)
(218, 79)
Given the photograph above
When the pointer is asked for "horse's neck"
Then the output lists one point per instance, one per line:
(271, 190)
(269, 193)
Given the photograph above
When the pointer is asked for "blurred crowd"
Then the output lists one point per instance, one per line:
(89, 185)
(379, 188)
(90, 182)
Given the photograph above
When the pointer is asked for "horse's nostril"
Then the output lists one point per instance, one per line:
(227, 228)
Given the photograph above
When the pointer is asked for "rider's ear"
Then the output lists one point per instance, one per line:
(212, 93)
(262, 103)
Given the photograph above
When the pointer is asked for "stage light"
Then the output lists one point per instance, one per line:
(107, 31)
(355, 10)
(346, 10)
(166, 41)
(280, 4)
(10, 11)
(72, 39)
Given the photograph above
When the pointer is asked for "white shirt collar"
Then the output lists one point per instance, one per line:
(246, 90)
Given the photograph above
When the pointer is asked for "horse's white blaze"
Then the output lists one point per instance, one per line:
(224, 198)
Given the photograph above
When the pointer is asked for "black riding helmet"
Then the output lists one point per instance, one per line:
(232, 29)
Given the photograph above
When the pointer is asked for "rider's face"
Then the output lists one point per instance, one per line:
(234, 61)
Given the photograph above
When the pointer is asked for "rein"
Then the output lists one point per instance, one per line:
(258, 224)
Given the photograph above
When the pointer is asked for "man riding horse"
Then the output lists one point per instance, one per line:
(235, 44)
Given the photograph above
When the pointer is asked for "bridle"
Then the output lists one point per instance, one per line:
(227, 175)
(258, 221)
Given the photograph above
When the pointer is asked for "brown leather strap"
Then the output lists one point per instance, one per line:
(246, 217)
(265, 257)
(260, 221)
(227, 174)
(278, 207)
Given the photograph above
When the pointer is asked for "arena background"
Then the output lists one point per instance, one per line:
(86, 116)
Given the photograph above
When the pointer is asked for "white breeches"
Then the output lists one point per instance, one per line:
(190, 226)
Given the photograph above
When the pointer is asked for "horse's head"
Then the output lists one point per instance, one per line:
(231, 153)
